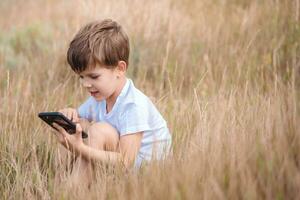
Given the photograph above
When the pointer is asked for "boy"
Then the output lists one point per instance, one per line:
(123, 125)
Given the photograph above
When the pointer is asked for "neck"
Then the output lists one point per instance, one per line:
(112, 99)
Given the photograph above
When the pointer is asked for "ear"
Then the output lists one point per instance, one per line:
(121, 68)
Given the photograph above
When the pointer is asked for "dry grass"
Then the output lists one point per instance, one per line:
(224, 73)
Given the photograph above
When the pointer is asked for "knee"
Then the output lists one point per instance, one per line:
(102, 128)
(103, 134)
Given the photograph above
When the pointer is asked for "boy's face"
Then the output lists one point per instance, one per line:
(102, 83)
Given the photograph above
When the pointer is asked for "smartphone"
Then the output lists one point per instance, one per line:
(60, 119)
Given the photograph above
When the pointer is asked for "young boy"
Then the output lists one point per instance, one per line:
(123, 125)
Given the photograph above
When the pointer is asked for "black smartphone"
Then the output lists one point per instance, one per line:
(60, 119)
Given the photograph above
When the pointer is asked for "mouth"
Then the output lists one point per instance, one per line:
(94, 93)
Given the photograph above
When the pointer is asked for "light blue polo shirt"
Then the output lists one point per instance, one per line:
(133, 112)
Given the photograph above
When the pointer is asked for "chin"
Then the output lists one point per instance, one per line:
(98, 98)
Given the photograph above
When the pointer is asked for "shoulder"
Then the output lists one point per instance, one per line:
(138, 113)
(134, 99)
(134, 95)
(136, 105)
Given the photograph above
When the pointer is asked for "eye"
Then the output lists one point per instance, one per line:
(80, 77)
(94, 77)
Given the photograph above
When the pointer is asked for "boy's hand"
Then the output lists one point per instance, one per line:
(71, 114)
(72, 142)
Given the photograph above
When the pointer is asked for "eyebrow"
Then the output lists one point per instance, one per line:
(90, 74)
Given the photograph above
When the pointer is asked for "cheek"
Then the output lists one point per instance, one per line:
(105, 87)
(100, 86)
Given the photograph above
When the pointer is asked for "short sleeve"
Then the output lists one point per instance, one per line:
(87, 109)
(134, 119)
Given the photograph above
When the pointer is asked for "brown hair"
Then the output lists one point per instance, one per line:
(103, 42)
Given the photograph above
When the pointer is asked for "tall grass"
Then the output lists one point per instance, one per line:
(224, 73)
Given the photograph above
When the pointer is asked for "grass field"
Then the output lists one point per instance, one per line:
(224, 73)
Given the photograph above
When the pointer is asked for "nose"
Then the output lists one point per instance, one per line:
(85, 83)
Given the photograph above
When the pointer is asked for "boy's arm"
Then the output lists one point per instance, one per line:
(129, 148)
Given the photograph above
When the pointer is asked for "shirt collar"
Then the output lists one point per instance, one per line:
(125, 88)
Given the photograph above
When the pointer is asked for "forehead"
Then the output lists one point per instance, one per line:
(94, 70)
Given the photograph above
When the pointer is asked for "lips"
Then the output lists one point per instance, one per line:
(94, 93)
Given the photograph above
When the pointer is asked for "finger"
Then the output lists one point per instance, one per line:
(63, 111)
(69, 114)
(62, 135)
(58, 134)
(60, 129)
(75, 116)
(78, 130)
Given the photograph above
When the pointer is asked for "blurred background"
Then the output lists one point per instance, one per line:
(224, 74)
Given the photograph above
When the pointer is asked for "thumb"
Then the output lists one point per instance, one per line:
(78, 129)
